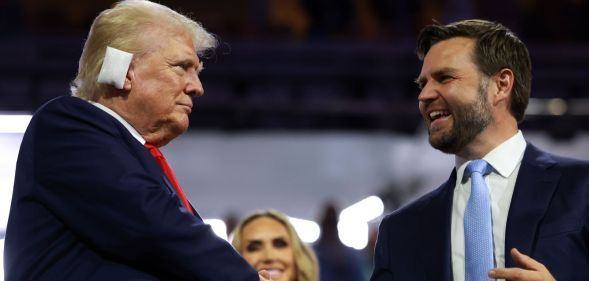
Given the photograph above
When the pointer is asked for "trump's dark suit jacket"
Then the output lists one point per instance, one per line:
(548, 220)
(91, 203)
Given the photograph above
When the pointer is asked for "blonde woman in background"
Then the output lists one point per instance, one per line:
(268, 241)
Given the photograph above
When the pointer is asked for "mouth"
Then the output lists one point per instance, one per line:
(275, 273)
(436, 117)
(187, 107)
(436, 114)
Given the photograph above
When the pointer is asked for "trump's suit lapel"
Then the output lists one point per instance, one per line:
(435, 223)
(149, 162)
(171, 190)
(533, 192)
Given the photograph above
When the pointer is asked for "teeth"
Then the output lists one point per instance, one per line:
(275, 273)
(437, 114)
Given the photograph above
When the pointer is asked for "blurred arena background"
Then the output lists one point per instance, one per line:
(308, 102)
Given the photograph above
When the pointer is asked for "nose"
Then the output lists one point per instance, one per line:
(194, 86)
(268, 255)
(427, 93)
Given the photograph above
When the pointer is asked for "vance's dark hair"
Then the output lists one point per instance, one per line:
(496, 48)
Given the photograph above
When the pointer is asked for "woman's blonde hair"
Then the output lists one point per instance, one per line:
(125, 27)
(304, 257)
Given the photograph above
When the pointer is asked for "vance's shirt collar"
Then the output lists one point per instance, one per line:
(503, 158)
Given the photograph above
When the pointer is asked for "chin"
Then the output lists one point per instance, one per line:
(171, 132)
(180, 125)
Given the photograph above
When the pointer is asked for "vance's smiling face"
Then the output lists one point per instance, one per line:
(453, 99)
(267, 245)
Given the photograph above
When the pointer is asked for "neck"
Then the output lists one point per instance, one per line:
(157, 138)
(158, 135)
(494, 135)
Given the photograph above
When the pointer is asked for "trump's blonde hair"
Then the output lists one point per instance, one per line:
(127, 26)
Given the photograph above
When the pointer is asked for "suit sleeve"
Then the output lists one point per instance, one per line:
(381, 256)
(94, 182)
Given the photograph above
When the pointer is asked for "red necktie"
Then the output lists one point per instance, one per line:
(169, 173)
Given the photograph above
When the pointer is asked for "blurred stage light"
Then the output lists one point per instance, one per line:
(353, 233)
(5, 198)
(14, 123)
(218, 227)
(556, 107)
(308, 230)
(353, 221)
(1, 258)
(365, 210)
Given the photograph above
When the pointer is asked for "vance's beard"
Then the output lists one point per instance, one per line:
(469, 120)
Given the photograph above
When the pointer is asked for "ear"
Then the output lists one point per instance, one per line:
(129, 78)
(503, 80)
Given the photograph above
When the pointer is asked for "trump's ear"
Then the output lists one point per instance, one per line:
(129, 78)
(115, 66)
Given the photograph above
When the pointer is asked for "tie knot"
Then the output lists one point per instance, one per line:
(153, 150)
(478, 166)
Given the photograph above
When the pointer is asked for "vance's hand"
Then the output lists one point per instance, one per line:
(529, 270)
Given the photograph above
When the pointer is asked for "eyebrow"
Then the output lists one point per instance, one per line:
(421, 80)
(283, 238)
(189, 61)
(185, 61)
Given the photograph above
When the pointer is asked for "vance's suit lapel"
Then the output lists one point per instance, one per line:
(434, 222)
(533, 192)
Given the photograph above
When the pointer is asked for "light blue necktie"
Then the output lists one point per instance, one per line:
(478, 236)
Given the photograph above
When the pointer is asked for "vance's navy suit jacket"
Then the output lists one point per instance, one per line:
(91, 203)
(548, 220)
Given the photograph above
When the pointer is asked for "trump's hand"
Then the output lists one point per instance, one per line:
(529, 270)
(264, 275)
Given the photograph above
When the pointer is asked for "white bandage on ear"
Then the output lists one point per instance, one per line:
(114, 67)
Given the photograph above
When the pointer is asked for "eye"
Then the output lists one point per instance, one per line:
(279, 243)
(179, 68)
(253, 246)
(445, 78)
(183, 66)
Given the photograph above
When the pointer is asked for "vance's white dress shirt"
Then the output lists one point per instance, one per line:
(505, 160)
